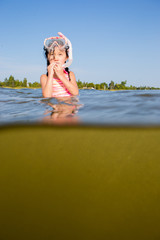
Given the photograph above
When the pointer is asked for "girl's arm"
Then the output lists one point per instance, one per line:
(46, 82)
(70, 85)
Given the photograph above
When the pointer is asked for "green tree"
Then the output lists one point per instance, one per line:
(123, 83)
(1, 84)
(11, 81)
(111, 85)
(24, 82)
(90, 85)
(84, 84)
(21, 84)
(17, 83)
(103, 86)
(36, 85)
(6, 82)
(117, 86)
(97, 86)
(80, 84)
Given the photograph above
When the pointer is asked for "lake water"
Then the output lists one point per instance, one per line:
(129, 107)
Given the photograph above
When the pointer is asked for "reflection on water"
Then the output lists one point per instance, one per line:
(28, 106)
(90, 107)
(64, 112)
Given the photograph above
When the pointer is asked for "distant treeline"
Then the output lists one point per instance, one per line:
(11, 82)
(112, 85)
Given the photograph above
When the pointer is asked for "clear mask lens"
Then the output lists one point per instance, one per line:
(50, 44)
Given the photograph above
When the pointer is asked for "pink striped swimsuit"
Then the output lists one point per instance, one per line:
(59, 89)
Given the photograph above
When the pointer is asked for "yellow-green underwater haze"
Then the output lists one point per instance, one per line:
(70, 182)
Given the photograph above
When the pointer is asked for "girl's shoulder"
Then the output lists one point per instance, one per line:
(43, 76)
(72, 75)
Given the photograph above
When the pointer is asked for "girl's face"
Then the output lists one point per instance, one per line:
(57, 56)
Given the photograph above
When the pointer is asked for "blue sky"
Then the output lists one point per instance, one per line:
(112, 40)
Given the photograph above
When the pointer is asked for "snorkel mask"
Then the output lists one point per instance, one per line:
(62, 43)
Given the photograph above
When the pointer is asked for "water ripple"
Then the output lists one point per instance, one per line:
(92, 106)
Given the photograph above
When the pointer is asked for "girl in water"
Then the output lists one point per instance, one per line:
(59, 82)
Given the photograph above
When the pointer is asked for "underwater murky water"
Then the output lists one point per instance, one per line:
(141, 107)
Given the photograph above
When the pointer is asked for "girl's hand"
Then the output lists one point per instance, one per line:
(50, 69)
(58, 69)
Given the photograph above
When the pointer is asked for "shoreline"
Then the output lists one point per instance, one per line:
(86, 89)
(21, 87)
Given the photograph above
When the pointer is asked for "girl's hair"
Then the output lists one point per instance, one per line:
(46, 55)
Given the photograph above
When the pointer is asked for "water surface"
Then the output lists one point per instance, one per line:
(129, 107)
